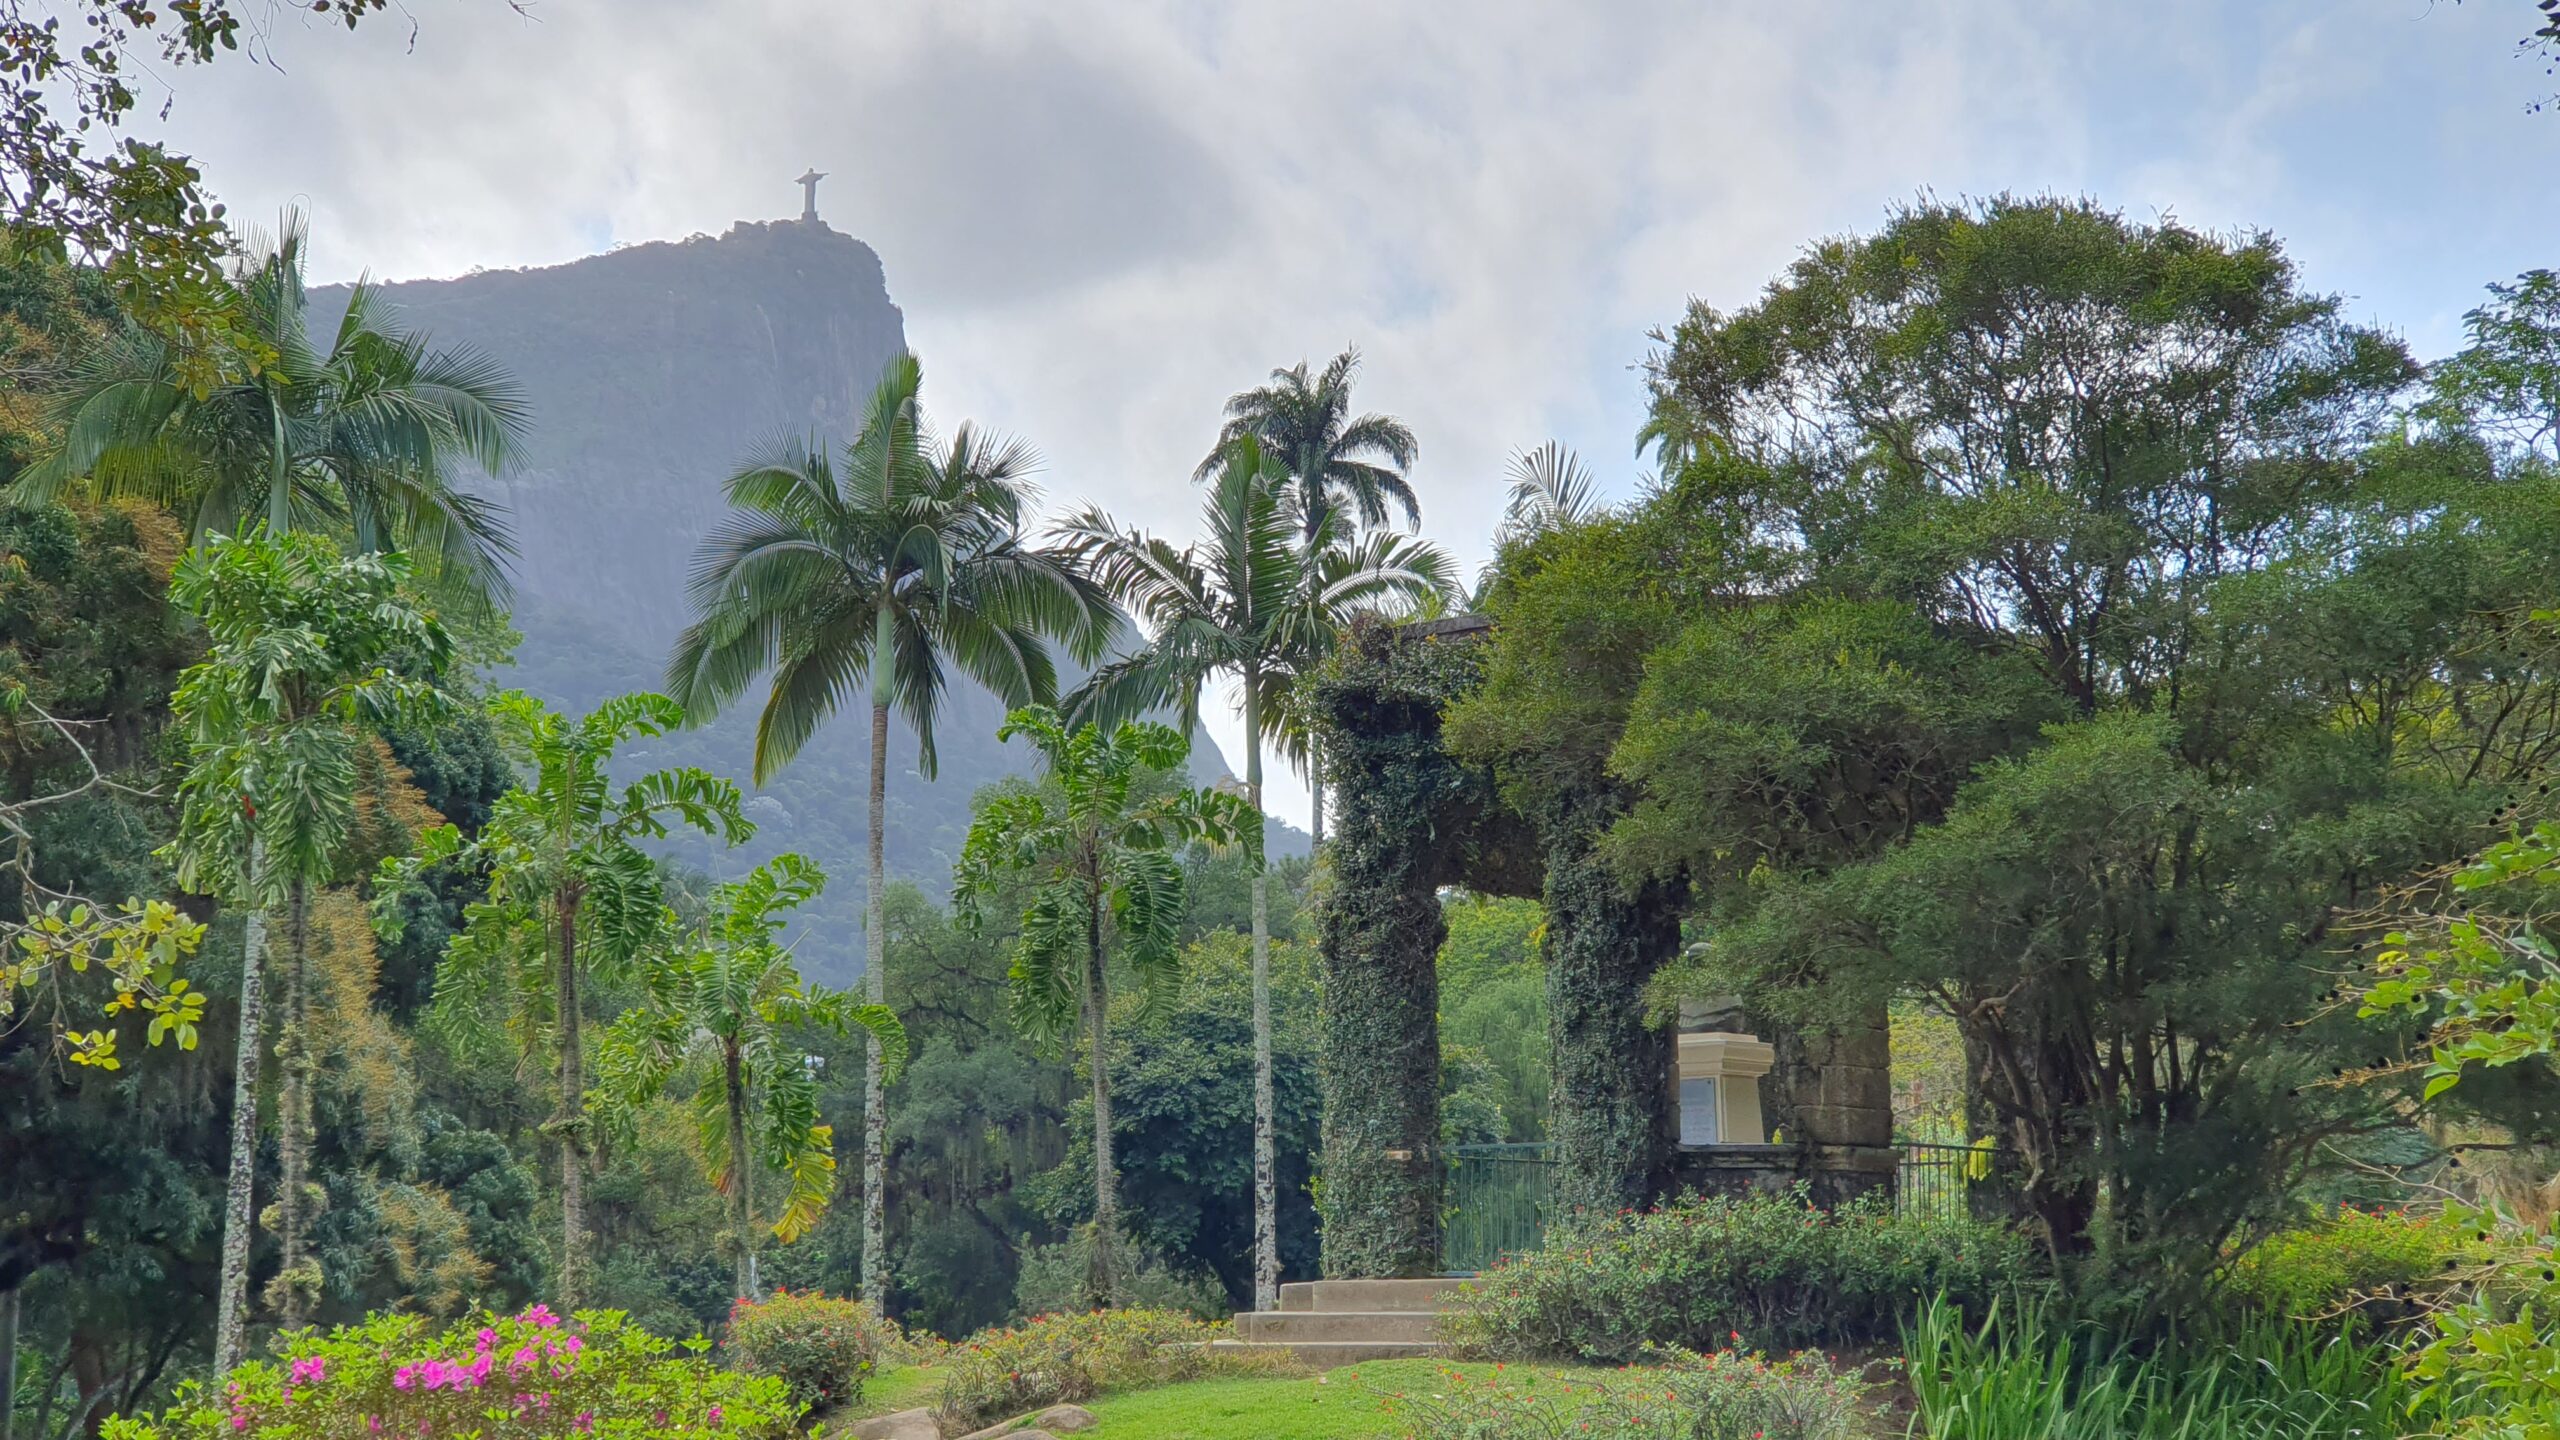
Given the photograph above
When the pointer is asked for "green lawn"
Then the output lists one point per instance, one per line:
(1358, 1402)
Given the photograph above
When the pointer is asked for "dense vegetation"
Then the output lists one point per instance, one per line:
(2066, 640)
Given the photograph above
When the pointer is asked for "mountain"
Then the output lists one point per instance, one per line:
(650, 371)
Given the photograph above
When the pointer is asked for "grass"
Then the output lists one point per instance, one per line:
(900, 1387)
(1352, 1403)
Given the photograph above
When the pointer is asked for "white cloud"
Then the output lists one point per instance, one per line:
(1101, 219)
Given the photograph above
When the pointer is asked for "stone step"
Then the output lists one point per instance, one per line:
(1328, 1354)
(1367, 1296)
(1297, 1326)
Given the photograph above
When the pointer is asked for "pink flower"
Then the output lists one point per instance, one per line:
(309, 1370)
(401, 1378)
(488, 1337)
(373, 1423)
(712, 1415)
(239, 1422)
(586, 1421)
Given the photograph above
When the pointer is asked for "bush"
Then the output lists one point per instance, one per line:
(818, 1346)
(1722, 1396)
(531, 1375)
(1063, 1359)
(1053, 1279)
(1711, 1272)
(2353, 1258)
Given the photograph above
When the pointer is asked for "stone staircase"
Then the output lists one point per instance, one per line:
(1325, 1323)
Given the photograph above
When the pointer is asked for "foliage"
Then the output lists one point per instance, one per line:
(1100, 858)
(1182, 1130)
(2049, 618)
(356, 434)
(821, 1347)
(905, 554)
(1058, 1278)
(725, 1000)
(303, 644)
(1493, 1003)
(531, 1373)
(2356, 1258)
(1776, 1271)
(1332, 459)
(569, 891)
(2481, 975)
(1680, 1395)
(2022, 1372)
(1067, 1359)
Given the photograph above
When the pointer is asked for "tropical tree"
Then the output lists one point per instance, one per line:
(357, 433)
(1103, 859)
(727, 998)
(906, 556)
(1242, 600)
(570, 890)
(298, 671)
(1330, 460)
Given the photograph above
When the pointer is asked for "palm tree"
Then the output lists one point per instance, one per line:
(1242, 600)
(359, 436)
(570, 892)
(1551, 489)
(1331, 459)
(730, 999)
(293, 677)
(909, 555)
(1103, 862)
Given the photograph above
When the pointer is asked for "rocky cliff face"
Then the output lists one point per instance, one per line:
(651, 371)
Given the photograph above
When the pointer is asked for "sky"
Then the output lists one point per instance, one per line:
(1101, 219)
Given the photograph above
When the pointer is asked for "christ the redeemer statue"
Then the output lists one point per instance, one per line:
(809, 195)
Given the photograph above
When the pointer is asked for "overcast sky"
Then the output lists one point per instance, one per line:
(1102, 218)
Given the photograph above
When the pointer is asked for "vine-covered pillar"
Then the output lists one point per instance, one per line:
(1408, 819)
(1379, 937)
(1610, 1116)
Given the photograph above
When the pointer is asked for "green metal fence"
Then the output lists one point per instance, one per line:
(1499, 1195)
(1497, 1199)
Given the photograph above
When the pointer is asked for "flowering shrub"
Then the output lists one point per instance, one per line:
(2356, 1257)
(1061, 1359)
(821, 1347)
(1707, 1272)
(1722, 1396)
(530, 1375)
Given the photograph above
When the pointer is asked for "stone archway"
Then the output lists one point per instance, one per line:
(1411, 819)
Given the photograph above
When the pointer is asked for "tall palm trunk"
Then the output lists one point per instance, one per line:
(1101, 1281)
(875, 987)
(293, 1118)
(1315, 792)
(231, 1323)
(572, 1122)
(1266, 1177)
(741, 1211)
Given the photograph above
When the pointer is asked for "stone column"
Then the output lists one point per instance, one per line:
(1611, 1117)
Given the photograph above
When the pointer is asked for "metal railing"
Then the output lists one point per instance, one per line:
(1937, 1180)
(1498, 1198)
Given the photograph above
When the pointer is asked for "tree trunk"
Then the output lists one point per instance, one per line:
(89, 1377)
(572, 1120)
(1315, 795)
(293, 1106)
(231, 1323)
(9, 1366)
(1266, 1173)
(1101, 1281)
(741, 1217)
(875, 987)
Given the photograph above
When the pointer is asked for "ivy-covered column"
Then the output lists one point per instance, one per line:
(1611, 1115)
(1402, 812)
